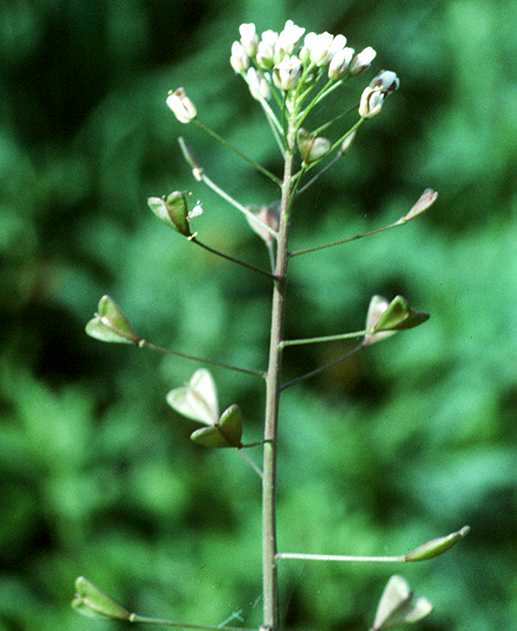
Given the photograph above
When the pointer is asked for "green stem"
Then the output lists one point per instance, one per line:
(326, 125)
(232, 259)
(250, 462)
(338, 143)
(181, 625)
(355, 237)
(197, 171)
(317, 176)
(326, 338)
(320, 369)
(202, 360)
(238, 152)
(269, 543)
(302, 556)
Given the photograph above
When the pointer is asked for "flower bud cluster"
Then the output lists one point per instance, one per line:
(285, 59)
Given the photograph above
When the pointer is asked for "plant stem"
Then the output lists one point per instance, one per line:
(181, 625)
(270, 574)
(250, 462)
(199, 175)
(326, 338)
(203, 360)
(238, 152)
(340, 557)
(354, 237)
(321, 369)
(231, 258)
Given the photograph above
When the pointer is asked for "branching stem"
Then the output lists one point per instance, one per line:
(321, 340)
(201, 360)
(270, 575)
(231, 258)
(181, 625)
(199, 174)
(302, 556)
(238, 152)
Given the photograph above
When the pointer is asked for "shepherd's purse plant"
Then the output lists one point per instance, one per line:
(290, 74)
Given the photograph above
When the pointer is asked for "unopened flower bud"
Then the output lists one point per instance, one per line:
(320, 48)
(287, 40)
(312, 147)
(371, 102)
(387, 81)
(258, 85)
(345, 145)
(249, 38)
(287, 72)
(239, 60)
(340, 63)
(181, 106)
(265, 55)
(362, 60)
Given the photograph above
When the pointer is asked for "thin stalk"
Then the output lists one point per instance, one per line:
(321, 340)
(326, 125)
(320, 369)
(231, 258)
(355, 237)
(317, 176)
(302, 556)
(238, 152)
(337, 143)
(201, 360)
(269, 544)
(181, 625)
(197, 171)
(271, 123)
(250, 462)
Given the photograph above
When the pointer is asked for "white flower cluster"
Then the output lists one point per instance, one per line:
(284, 59)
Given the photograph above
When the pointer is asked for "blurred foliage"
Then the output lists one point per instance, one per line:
(407, 441)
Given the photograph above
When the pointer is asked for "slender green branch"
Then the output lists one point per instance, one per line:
(337, 144)
(326, 125)
(250, 462)
(272, 122)
(317, 176)
(302, 556)
(238, 152)
(320, 369)
(321, 340)
(181, 625)
(355, 237)
(231, 258)
(197, 171)
(201, 360)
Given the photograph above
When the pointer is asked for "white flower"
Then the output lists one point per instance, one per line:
(287, 72)
(258, 85)
(181, 106)
(340, 63)
(319, 48)
(249, 38)
(363, 60)
(239, 59)
(371, 102)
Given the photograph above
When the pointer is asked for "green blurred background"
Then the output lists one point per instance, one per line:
(411, 439)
